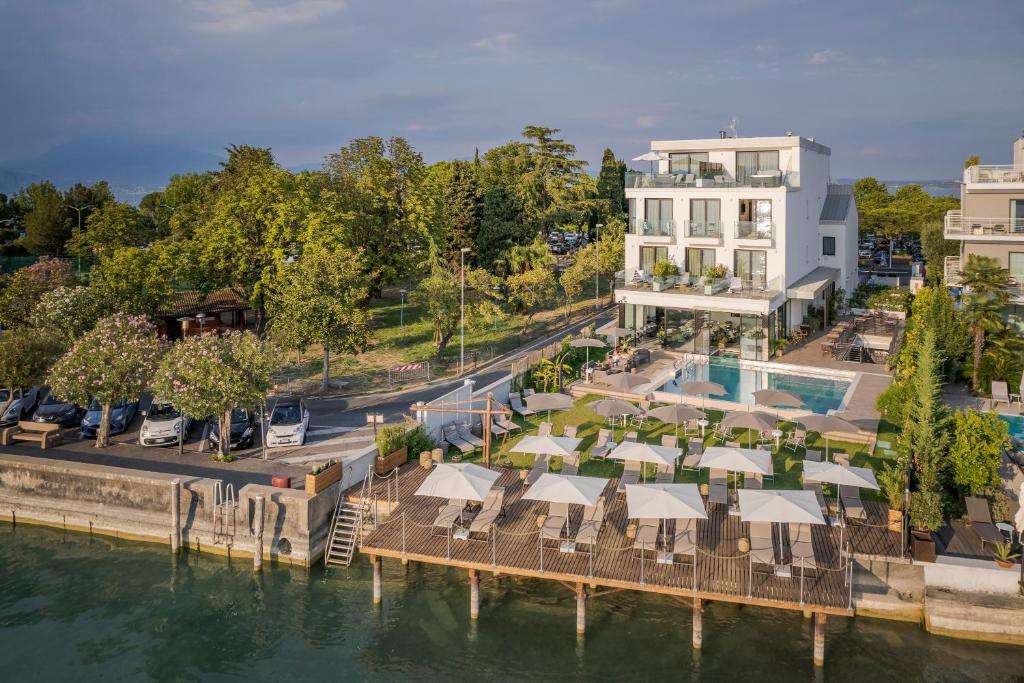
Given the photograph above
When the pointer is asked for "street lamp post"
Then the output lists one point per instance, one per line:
(597, 264)
(79, 210)
(401, 314)
(462, 313)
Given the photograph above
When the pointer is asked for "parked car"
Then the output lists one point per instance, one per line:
(17, 403)
(121, 415)
(164, 425)
(865, 253)
(242, 424)
(288, 423)
(52, 410)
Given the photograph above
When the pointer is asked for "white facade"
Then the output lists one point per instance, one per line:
(760, 207)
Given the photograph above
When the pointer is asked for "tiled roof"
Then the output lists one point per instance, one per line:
(191, 302)
(837, 204)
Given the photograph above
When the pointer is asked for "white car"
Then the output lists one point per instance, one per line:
(17, 404)
(288, 423)
(164, 425)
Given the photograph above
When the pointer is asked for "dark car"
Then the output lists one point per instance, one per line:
(53, 410)
(121, 415)
(242, 425)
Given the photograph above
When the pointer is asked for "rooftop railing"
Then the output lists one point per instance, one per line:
(686, 284)
(641, 180)
(994, 174)
(956, 224)
(657, 228)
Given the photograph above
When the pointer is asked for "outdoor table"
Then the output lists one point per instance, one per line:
(702, 423)
(777, 433)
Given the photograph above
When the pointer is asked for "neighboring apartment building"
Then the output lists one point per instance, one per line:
(990, 222)
(761, 209)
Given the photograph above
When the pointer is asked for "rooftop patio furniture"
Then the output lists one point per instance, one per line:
(603, 446)
(640, 419)
(451, 435)
(684, 538)
(718, 487)
(666, 474)
(516, 401)
(469, 437)
(590, 526)
(800, 547)
(1000, 394)
(571, 463)
(762, 548)
(544, 429)
(849, 496)
(491, 510)
(631, 471)
(528, 392)
(796, 439)
(541, 463)
(555, 523)
(981, 520)
(646, 536)
(449, 513)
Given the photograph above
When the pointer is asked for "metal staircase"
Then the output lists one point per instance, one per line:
(224, 507)
(347, 527)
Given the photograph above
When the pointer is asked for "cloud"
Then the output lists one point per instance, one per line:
(501, 42)
(871, 151)
(647, 121)
(824, 56)
(246, 16)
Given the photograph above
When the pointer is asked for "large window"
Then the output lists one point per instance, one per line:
(755, 219)
(828, 246)
(698, 261)
(658, 216)
(651, 255)
(686, 162)
(1017, 215)
(754, 163)
(1016, 263)
(631, 203)
(705, 218)
(751, 266)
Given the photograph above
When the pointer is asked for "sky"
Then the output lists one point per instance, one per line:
(899, 90)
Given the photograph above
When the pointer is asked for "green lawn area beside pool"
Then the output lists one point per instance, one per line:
(787, 463)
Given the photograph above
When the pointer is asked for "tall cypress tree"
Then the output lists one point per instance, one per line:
(611, 182)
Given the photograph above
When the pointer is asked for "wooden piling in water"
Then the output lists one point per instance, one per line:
(375, 561)
(175, 515)
(474, 594)
(698, 623)
(257, 556)
(819, 639)
(581, 609)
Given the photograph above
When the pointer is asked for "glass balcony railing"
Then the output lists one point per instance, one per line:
(994, 174)
(958, 225)
(712, 229)
(641, 180)
(754, 230)
(684, 283)
(655, 228)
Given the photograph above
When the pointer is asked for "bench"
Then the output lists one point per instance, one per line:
(46, 435)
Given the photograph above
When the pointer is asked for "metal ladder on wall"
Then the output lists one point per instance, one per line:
(347, 526)
(224, 507)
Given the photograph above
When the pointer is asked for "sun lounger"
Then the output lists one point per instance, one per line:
(540, 466)
(669, 441)
(819, 495)
(603, 446)
(505, 423)
(449, 514)
(497, 429)
(544, 429)
(981, 520)
(1000, 394)
(630, 436)
(571, 463)
(516, 402)
(753, 481)
(684, 540)
(490, 511)
(800, 547)
(555, 522)
(762, 550)
(469, 437)
(570, 431)
(840, 458)
(850, 498)
(694, 451)
(733, 444)
(812, 455)
(630, 475)
(719, 433)
(451, 435)
(590, 526)
(666, 474)
(646, 535)
(718, 488)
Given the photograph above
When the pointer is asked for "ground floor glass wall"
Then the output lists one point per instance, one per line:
(699, 331)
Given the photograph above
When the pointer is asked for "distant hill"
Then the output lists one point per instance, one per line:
(132, 167)
(936, 188)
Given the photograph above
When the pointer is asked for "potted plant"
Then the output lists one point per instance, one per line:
(892, 480)
(322, 476)
(1004, 555)
(664, 272)
(392, 451)
(779, 346)
(925, 517)
(714, 279)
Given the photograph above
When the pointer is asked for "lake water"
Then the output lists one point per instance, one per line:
(75, 608)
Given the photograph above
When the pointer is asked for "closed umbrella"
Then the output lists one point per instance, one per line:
(702, 389)
(549, 401)
(460, 481)
(823, 424)
(565, 488)
(547, 445)
(676, 413)
(749, 419)
(623, 381)
(587, 343)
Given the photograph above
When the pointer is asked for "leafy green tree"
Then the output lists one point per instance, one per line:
(136, 281)
(977, 450)
(611, 183)
(531, 291)
(520, 258)
(116, 359)
(872, 198)
(973, 160)
(463, 209)
(501, 227)
(1003, 359)
(987, 292)
(26, 355)
(24, 288)
(179, 208)
(46, 222)
(67, 313)
(571, 282)
(320, 302)
(81, 201)
(935, 248)
(112, 226)
(212, 374)
(553, 187)
(607, 255)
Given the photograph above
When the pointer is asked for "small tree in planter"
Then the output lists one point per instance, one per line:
(117, 359)
(662, 271)
(212, 374)
(392, 450)
(893, 480)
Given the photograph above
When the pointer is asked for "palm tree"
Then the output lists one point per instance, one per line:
(987, 291)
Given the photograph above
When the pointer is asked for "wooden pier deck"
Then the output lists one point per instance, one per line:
(721, 571)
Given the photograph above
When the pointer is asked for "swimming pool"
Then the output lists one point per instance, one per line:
(1016, 424)
(819, 394)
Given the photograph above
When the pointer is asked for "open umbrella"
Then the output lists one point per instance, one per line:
(547, 445)
(464, 481)
(664, 501)
(649, 156)
(549, 401)
(587, 343)
(613, 408)
(784, 507)
(702, 389)
(834, 473)
(676, 414)
(749, 419)
(771, 398)
(736, 460)
(823, 424)
(623, 381)
(565, 488)
(636, 451)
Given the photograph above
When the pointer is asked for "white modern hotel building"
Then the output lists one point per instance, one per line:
(762, 239)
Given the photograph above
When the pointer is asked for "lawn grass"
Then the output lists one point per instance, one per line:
(787, 464)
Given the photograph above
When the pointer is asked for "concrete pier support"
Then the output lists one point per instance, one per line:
(581, 609)
(377, 591)
(257, 554)
(698, 623)
(819, 639)
(474, 594)
(175, 515)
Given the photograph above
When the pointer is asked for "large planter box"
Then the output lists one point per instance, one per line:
(384, 465)
(662, 284)
(315, 483)
(715, 287)
(922, 546)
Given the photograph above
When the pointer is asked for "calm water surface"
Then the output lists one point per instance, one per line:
(74, 608)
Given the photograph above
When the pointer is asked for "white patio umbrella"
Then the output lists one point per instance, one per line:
(813, 422)
(547, 445)
(460, 481)
(731, 459)
(549, 401)
(623, 381)
(702, 389)
(676, 414)
(645, 452)
(749, 419)
(664, 501)
(784, 507)
(834, 473)
(565, 488)
(613, 408)
(587, 343)
(649, 156)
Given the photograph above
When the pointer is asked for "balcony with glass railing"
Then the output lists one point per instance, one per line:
(703, 229)
(692, 285)
(652, 227)
(994, 174)
(767, 179)
(959, 226)
(754, 230)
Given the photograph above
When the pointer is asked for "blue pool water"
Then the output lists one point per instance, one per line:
(819, 395)
(1016, 424)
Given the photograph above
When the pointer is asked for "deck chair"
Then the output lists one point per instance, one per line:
(646, 536)
(812, 455)
(849, 496)
(630, 436)
(641, 419)
(733, 444)
(498, 429)
(684, 539)
(466, 435)
(981, 520)
(1000, 394)
(691, 428)
(540, 466)
(590, 526)
(718, 487)
(451, 435)
(694, 451)
(491, 510)
(506, 423)
(516, 401)
(544, 429)
(666, 474)
(630, 475)
(840, 458)
(603, 446)
(753, 481)
(762, 549)
(819, 495)
(670, 441)
(795, 439)
(719, 433)
(571, 463)
(555, 522)
(800, 547)
(449, 513)
(570, 431)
